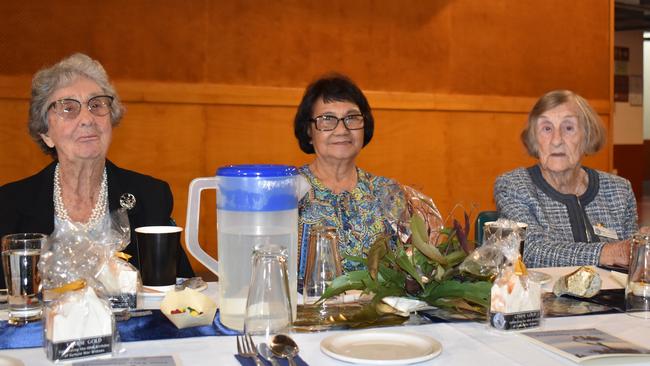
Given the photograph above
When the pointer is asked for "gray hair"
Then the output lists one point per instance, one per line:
(595, 134)
(46, 81)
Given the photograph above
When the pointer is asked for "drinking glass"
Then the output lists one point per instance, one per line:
(268, 306)
(323, 263)
(637, 291)
(20, 255)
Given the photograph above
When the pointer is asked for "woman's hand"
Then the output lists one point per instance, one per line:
(616, 254)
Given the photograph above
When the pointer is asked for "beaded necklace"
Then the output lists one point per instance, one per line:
(96, 214)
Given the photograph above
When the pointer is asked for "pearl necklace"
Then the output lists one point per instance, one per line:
(96, 214)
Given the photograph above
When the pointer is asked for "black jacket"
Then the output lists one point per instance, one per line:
(27, 206)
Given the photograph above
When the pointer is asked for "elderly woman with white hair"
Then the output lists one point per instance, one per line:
(575, 215)
(73, 110)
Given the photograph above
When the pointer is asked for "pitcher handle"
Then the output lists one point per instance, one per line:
(192, 223)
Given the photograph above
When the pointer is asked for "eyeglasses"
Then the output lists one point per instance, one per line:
(329, 122)
(70, 108)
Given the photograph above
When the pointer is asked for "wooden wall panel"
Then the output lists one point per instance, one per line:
(501, 47)
(209, 83)
(19, 156)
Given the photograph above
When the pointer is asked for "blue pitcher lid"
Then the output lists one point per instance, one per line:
(257, 170)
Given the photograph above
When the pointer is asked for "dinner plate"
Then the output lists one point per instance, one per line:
(381, 347)
(540, 277)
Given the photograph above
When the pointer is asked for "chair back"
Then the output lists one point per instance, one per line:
(481, 219)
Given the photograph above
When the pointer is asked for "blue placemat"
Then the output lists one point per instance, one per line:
(245, 361)
(146, 328)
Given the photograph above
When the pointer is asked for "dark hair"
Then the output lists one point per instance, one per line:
(590, 123)
(331, 87)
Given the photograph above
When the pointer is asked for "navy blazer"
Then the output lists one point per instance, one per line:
(27, 206)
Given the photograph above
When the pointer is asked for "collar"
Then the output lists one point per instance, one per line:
(363, 182)
(593, 186)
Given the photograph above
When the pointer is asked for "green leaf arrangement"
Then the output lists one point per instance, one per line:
(421, 268)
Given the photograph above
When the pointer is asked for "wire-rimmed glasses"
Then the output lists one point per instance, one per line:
(329, 122)
(69, 108)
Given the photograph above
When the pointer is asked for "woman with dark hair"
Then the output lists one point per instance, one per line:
(72, 113)
(575, 215)
(334, 122)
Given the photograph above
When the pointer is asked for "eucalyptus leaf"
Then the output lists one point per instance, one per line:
(440, 273)
(355, 258)
(376, 252)
(419, 233)
(405, 263)
(475, 292)
(456, 257)
(353, 280)
(391, 276)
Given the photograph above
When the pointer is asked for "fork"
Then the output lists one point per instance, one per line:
(246, 348)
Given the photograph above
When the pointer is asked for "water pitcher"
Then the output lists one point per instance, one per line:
(256, 204)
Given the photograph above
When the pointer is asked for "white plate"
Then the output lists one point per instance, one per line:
(381, 347)
(540, 277)
(160, 291)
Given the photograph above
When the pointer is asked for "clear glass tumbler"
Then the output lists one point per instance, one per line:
(268, 306)
(20, 255)
(323, 263)
(637, 291)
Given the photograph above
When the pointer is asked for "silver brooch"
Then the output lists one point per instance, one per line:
(127, 201)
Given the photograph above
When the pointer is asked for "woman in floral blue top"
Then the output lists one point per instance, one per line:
(334, 122)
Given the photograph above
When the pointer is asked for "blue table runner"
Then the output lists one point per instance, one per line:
(145, 328)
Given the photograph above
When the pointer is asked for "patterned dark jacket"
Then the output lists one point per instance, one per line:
(561, 226)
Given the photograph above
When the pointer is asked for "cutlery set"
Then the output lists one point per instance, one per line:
(281, 346)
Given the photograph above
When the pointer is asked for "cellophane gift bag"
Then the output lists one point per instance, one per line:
(84, 280)
(515, 299)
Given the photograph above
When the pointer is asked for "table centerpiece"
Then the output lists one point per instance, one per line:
(419, 261)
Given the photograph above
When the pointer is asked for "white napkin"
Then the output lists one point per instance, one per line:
(82, 317)
(404, 305)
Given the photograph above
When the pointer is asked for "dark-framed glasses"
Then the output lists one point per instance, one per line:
(70, 108)
(329, 122)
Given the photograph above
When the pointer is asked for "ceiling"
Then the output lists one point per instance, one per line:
(632, 15)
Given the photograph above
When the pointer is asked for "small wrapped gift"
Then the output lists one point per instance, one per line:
(515, 302)
(92, 254)
(79, 324)
(120, 282)
(515, 299)
(584, 282)
(188, 308)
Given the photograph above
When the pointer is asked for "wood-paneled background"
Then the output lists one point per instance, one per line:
(209, 83)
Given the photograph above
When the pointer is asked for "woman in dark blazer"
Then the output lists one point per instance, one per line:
(73, 110)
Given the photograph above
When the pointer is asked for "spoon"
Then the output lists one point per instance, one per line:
(267, 354)
(285, 347)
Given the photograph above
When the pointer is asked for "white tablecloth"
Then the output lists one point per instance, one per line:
(463, 343)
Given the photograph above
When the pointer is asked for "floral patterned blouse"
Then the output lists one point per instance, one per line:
(358, 215)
